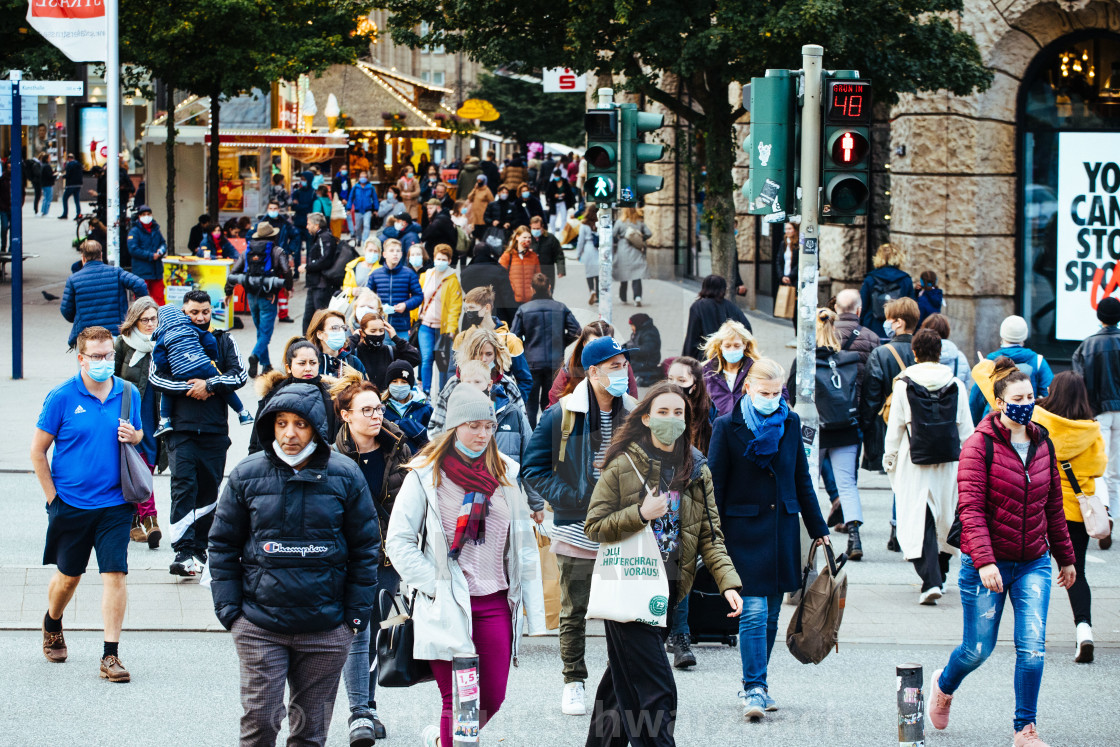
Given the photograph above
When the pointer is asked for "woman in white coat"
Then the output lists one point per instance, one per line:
(456, 535)
(630, 234)
(587, 250)
(929, 421)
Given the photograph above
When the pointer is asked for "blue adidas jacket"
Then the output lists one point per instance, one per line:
(95, 296)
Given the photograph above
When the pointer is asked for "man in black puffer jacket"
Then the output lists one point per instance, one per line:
(547, 327)
(293, 560)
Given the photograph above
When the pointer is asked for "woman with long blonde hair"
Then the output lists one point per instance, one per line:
(454, 518)
(728, 356)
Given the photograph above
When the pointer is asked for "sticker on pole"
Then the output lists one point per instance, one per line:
(810, 245)
(76, 27)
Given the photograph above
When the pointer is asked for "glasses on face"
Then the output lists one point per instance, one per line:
(371, 412)
(481, 426)
(336, 328)
(149, 319)
(97, 357)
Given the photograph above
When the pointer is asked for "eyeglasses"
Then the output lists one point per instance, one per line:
(371, 412)
(481, 426)
(149, 319)
(336, 328)
(97, 358)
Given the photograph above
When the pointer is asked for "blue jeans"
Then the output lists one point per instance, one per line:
(1028, 584)
(428, 338)
(844, 461)
(758, 627)
(48, 193)
(264, 319)
(828, 475)
(680, 620)
(68, 193)
(360, 228)
(360, 673)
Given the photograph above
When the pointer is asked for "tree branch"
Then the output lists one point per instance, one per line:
(670, 102)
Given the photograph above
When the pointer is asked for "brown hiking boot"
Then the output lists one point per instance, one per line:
(113, 670)
(154, 533)
(54, 646)
(138, 533)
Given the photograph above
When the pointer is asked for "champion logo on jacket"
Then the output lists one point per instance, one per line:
(294, 548)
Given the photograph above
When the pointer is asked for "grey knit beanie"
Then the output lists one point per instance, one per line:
(467, 404)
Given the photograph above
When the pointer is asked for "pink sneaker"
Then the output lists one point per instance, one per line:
(940, 704)
(1028, 737)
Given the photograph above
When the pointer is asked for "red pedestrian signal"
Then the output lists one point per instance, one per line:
(848, 148)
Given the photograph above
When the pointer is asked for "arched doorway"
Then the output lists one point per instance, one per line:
(1068, 217)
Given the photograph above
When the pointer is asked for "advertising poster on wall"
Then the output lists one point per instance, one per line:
(1088, 229)
(93, 136)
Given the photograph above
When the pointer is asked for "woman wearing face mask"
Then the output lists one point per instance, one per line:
(391, 205)
(328, 333)
(529, 203)
(561, 200)
(502, 212)
(396, 285)
(365, 302)
(215, 245)
(439, 314)
(377, 344)
(419, 260)
(1011, 520)
(406, 406)
(359, 269)
(456, 535)
(729, 354)
(410, 192)
(485, 346)
(652, 474)
(301, 366)
(479, 199)
(132, 362)
(522, 263)
(759, 445)
(381, 452)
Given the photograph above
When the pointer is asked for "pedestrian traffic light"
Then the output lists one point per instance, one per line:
(846, 146)
(601, 155)
(771, 185)
(633, 184)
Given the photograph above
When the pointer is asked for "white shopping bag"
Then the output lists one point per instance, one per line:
(532, 588)
(629, 583)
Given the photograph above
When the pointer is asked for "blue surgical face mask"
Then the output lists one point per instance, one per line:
(465, 209)
(273, 213)
(416, 261)
(491, 364)
(342, 172)
(399, 391)
(536, 232)
(733, 356)
(363, 180)
(525, 195)
(441, 264)
(1020, 414)
(618, 384)
(336, 340)
(101, 370)
(502, 196)
(890, 333)
(765, 405)
(468, 451)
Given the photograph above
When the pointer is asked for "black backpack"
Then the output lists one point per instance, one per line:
(934, 438)
(258, 259)
(838, 390)
(336, 273)
(883, 291)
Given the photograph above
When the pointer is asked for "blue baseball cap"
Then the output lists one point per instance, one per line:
(597, 351)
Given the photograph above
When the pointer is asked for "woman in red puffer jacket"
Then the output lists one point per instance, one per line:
(1012, 520)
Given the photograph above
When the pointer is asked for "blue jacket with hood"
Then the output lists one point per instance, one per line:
(1029, 362)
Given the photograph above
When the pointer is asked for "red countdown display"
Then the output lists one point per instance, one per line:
(848, 102)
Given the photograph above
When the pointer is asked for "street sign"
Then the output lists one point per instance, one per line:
(563, 80)
(51, 88)
(28, 106)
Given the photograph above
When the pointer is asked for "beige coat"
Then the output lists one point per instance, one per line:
(479, 198)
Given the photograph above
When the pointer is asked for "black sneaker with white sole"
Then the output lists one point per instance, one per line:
(184, 565)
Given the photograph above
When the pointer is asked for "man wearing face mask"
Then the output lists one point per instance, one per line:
(570, 440)
(402, 228)
(147, 247)
(86, 509)
(502, 213)
(548, 249)
(286, 235)
(886, 362)
(340, 186)
(439, 228)
(361, 207)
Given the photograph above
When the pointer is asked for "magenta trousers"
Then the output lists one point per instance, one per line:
(148, 507)
(492, 633)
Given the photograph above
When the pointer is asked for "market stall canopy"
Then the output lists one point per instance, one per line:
(377, 99)
(479, 109)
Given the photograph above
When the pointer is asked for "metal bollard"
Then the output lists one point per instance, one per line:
(465, 700)
(911, 706)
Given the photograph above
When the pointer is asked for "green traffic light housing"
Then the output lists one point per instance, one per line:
(772, 180)
(633, 183)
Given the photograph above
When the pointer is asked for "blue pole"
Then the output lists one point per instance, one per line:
(17, 227)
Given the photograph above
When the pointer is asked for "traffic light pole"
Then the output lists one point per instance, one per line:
(807, 260)
(606, 224)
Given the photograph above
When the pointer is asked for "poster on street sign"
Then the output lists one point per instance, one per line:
(76, 27)
(1088, 216)
(564, 80)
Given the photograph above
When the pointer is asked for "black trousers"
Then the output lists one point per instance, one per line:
(933, 566)
(317, 298)
(197, 464)
(593, 283)
(538, 397)
(1080, 597)
(622, 289)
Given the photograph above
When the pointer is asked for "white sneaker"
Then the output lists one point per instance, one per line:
(572, 701)
(1084, 643)
(930, 596)
(430, 736)
(638, 302)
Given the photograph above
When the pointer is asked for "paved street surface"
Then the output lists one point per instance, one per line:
(185, 670)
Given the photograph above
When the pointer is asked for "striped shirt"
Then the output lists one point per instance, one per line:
(573, 534)
(483, 565)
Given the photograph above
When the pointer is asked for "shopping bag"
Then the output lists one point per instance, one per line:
(550, 581)
(629, 582)
(495, 238)
(532, 589)
(785, 303)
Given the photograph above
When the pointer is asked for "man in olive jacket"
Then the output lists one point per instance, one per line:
(293, 561)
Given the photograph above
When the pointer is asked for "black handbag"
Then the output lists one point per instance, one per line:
(396, 664)
(443, 353)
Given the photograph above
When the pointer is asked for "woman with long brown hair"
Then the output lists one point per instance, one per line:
(572, 373)
(457, 531)
(651, 474)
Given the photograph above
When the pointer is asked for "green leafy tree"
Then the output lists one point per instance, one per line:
(23, 48)
(528, 113)
(223, 48)
(903, 45)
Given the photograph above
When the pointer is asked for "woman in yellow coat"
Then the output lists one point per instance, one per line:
(1068, 417)
(439, 313)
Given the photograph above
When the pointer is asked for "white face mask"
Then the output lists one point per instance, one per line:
(293, 459)
(145, 219)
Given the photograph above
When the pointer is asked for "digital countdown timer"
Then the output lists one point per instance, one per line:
(848, 102)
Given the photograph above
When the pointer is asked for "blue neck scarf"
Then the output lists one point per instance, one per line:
(767, 430)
